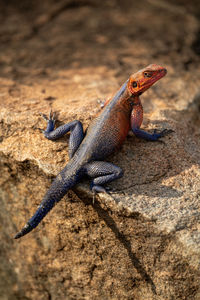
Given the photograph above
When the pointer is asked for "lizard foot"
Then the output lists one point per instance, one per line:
(50, 121)
(97, 189)
(157, 135)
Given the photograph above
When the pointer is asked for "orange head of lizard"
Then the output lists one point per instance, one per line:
(143, 79)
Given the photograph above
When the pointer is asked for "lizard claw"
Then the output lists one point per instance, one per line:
(162, 133)
(51, 115)
(44, 116)
(50, 118)
(166, 132)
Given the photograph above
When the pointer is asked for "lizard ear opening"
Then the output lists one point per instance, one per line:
(133, 86)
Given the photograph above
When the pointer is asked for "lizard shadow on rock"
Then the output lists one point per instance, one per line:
(103, 214)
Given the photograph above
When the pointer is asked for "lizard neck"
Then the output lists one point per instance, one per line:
(122, 99)
(121, 96)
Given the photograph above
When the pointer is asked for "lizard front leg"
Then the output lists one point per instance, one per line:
(136, 121)
(75, 128)
(102, 172)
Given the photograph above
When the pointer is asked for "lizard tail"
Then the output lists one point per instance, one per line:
(61, 184)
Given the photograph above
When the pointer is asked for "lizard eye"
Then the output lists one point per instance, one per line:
(134, 84)
(147, 74)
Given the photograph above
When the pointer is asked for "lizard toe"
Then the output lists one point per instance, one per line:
(166, 132)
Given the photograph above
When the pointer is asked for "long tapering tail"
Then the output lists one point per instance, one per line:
(61, 184)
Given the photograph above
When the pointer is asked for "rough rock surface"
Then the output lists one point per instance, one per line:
(142, 241)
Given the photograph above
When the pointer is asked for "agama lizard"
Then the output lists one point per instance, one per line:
(105, 134)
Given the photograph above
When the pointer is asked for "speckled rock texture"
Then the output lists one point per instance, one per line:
(140, 242)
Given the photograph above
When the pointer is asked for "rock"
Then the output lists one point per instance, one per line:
(142, 240)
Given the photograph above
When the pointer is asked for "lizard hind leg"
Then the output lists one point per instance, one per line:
(75, 128)
(102, 173)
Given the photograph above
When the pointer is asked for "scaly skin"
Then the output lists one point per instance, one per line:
(105, 134)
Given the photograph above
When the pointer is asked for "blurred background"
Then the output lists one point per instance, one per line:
(37, 38)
